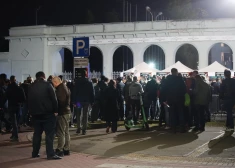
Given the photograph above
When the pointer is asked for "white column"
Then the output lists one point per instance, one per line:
(107, 60)
(170, 51)
(138, 53)
(203, 52)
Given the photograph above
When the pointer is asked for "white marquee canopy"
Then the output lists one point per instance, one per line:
(178, 65)
(214, 67)
(142, 68)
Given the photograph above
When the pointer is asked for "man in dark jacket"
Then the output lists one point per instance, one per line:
(63, 118)
(43, 107)
(24, 116)
(151, 89)
(16, 97)
(103, 85)
(83, 97)
(120, 86)
(174, 90)
(3, 103)
(126, 95)
(96, 105)
(227, 93)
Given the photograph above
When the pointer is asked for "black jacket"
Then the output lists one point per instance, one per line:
(111, 98)
(25, 87)
(227, 89)
(120, 87)
(174, 89)
(151, 89)
(83, 91)
(63, 97)
(42, 99)
(15, 95)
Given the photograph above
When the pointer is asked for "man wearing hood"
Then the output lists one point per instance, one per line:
(174, 90)
(202, 95)
(83, 97)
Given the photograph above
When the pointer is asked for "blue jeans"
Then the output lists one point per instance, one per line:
(228, 105)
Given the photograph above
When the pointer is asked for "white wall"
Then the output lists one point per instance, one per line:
(26, 57)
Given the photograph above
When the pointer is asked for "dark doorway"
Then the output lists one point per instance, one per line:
(96, 60)
(188, 55)
(155, 55)
(221, 53)
(67, 56)
(122, 59)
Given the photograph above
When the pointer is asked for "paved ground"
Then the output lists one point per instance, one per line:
(135, 149)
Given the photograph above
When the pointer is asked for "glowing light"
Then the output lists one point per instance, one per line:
(151, 65)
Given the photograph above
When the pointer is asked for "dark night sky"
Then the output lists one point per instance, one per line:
(65, 12)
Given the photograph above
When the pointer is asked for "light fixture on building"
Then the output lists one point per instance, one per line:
(222, 44)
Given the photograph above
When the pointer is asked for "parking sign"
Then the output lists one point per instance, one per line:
(81, 47)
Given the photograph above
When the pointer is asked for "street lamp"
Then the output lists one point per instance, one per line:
(37, 14)
(159, 14)
(149, 10)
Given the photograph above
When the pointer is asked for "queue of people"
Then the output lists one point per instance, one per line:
(52, 105)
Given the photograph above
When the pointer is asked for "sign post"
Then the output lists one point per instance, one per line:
(81, 50)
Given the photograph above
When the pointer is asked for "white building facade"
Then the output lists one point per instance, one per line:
(36, 48)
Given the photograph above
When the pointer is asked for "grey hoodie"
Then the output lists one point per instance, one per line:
(134, 90)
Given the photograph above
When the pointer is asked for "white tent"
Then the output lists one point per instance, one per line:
(178, 65)
(214, 67)
(142, 68)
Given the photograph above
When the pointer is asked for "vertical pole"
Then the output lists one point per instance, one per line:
(123, 10)
(36, 17)
(130, 12)
(146, 16)
(136, 13)
(127, 11)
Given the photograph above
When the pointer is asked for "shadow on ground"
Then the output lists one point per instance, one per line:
(228, 142)
(141, 140)
(20, 162)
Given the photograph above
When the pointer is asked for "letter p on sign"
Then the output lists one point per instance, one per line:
(81, 47)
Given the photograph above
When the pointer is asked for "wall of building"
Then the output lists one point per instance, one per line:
(36, 48)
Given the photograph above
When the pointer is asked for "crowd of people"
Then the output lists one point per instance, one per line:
(53, 105)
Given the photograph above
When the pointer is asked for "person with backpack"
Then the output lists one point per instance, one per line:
(16, 97)
(227, 94)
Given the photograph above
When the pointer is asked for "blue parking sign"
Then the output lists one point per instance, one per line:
(81, 47)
